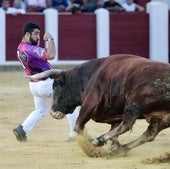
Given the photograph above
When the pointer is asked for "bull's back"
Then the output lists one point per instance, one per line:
(124, 66)
(121, 75)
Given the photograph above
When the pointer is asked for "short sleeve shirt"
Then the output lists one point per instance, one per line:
(41, 3)
(129, 8)
(32, 58)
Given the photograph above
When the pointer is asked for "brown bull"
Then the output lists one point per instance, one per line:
(116, 90)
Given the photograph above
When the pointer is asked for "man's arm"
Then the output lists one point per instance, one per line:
(51, 49)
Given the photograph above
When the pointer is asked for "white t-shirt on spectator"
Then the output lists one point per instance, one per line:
(129, 8)
(40, 3)
(12, 10)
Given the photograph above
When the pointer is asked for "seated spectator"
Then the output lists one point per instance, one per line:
(100, 4)
(92, 5)
(10, 2)
(113, 6)
(76, 6)
(38, 5)
(20, 4)
(60, 5)
(10, 10)
(130, 6)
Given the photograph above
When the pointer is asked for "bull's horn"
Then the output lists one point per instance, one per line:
(45, 74)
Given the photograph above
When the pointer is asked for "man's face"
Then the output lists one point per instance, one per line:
(5, 5)
(35, 37)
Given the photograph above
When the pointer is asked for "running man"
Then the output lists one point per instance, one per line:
(34, 59)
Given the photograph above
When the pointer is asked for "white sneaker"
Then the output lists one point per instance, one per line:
(72, 136)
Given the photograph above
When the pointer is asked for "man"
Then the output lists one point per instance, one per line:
(34, 60)
(112, 6)
(60, 5)
(11, 10)
(130, 6)
(38, 5)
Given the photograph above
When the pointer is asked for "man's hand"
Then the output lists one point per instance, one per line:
(47, 36)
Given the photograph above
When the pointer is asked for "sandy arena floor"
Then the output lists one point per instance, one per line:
(47, 147)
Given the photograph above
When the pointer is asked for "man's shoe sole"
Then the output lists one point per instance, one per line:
(18, 137)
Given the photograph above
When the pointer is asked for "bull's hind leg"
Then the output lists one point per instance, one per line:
(155, 126)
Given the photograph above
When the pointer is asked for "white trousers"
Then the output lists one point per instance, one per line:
(72, 121)
(42, 93)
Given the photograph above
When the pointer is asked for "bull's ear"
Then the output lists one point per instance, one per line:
(54, 76)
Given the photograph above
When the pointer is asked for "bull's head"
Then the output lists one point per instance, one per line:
(62, 99)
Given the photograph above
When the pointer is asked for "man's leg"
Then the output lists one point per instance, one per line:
(42, 92)
(72, 121)
(42, 105)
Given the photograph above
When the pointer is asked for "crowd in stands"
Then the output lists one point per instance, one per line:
(73, 6)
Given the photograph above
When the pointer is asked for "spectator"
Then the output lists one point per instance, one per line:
(38, 5)
(10, 2)
(100, 4)
(60, 5)
(92, 5)
(10, 10)
(20, 4)
(113, 6)
(130, 6)
(76, 6)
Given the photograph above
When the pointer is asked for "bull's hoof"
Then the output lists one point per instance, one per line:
(115, 146)
(118, 150)
(98, 142)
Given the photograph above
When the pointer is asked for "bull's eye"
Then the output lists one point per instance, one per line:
(59, 82)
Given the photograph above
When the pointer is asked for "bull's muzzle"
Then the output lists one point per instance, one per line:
(57, 115)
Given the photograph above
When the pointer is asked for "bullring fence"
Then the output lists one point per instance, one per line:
(84, 37)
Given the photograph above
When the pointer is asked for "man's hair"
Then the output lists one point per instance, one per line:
(29, 27)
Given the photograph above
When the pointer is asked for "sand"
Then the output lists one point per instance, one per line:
(47, 146)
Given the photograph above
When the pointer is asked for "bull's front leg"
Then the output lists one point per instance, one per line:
(100, 141)
(114, 140)
(117, 148)
(129, 118)
(82, 119)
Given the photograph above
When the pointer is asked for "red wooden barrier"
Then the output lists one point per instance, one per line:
(14, 26)
(129, 33)
(77, 34)
(77, 37)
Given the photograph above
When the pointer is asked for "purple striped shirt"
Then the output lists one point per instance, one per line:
(32, 58)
